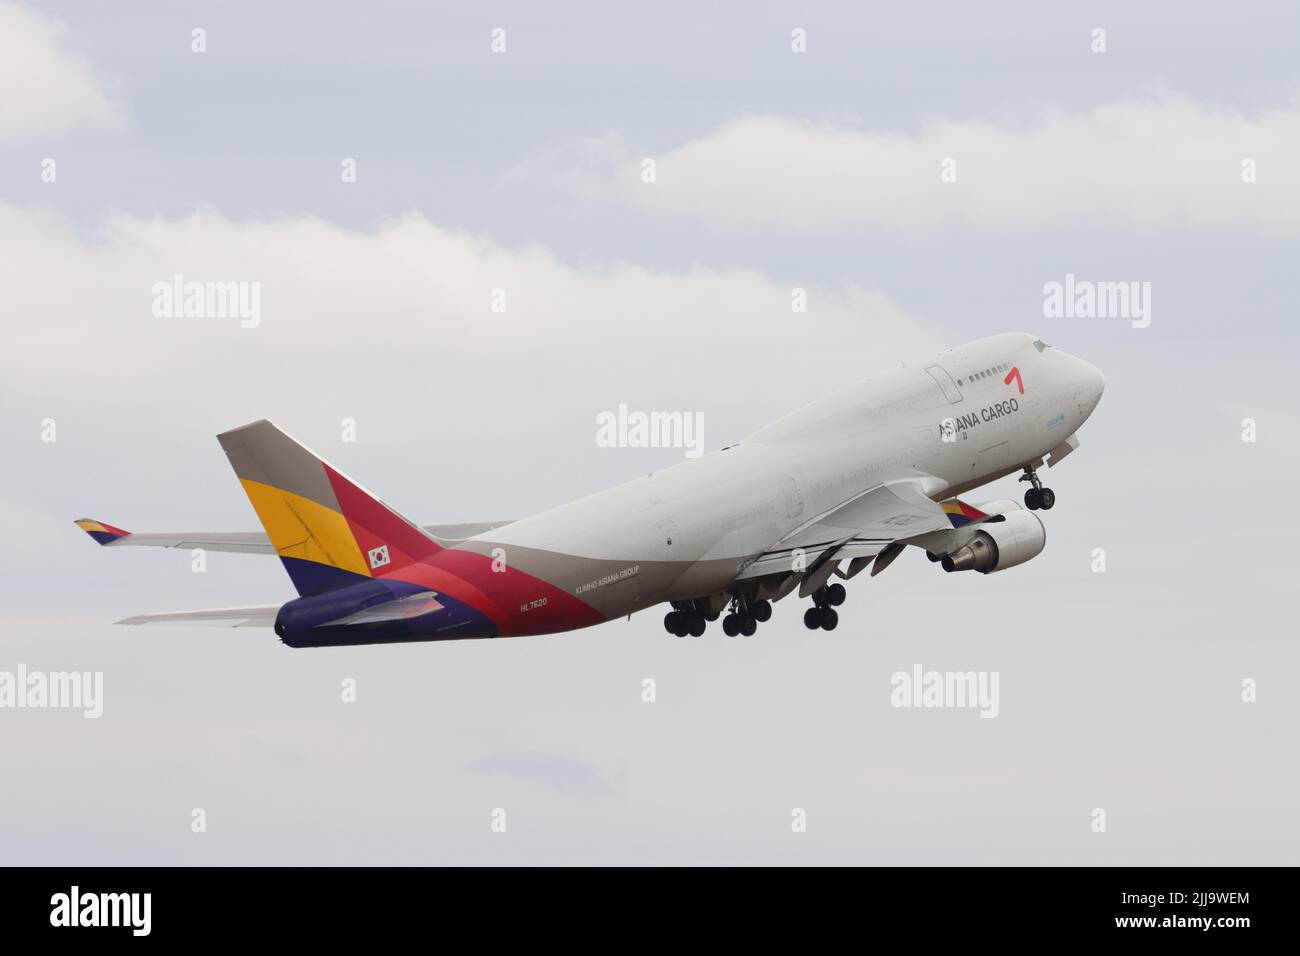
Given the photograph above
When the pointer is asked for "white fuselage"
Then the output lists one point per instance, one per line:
(954, 422)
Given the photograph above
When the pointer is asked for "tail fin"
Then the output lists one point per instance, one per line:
(328, 530)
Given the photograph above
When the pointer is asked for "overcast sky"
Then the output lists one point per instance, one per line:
(127, 158)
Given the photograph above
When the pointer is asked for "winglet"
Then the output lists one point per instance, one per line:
(103, 533)
(960, 513)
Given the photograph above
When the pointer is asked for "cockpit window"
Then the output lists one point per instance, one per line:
(1040, 344)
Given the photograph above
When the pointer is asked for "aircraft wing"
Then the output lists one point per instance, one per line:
(862, 527)
(263, 615)
(244, 542)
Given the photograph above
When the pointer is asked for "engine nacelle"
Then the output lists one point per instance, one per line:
(998, 545)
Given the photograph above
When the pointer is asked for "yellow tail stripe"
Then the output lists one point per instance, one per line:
(300, 528)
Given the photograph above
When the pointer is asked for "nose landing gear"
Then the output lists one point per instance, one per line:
(1037, 496)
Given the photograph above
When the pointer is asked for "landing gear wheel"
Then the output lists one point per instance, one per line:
(670, 621)
(812, 618)
(835, 595)
(697, 626)
(712, 616)
(830, 618)
(748, 626)
(731, 625)
(1037, 496)
(762, 611)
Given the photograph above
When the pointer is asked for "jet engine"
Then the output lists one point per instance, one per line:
(998, 545)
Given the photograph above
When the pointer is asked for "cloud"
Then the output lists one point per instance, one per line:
(571, 775)
(575, 168)
(47, 87)
(406, 306)
(1149, 161)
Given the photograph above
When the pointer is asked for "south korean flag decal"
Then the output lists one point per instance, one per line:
(378, 556)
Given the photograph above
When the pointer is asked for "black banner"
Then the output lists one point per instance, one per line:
(1162, 906)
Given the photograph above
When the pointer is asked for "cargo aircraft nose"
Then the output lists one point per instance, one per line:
(1091, 383)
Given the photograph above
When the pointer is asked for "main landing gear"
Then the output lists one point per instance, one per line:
(681, 623)
(1037, 496)
(823, 614)
(692, 617)
(689, 617)
(745, 616)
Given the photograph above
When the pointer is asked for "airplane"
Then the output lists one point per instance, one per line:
(846, 482)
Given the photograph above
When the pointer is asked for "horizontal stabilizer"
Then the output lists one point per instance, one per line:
(262, 615)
